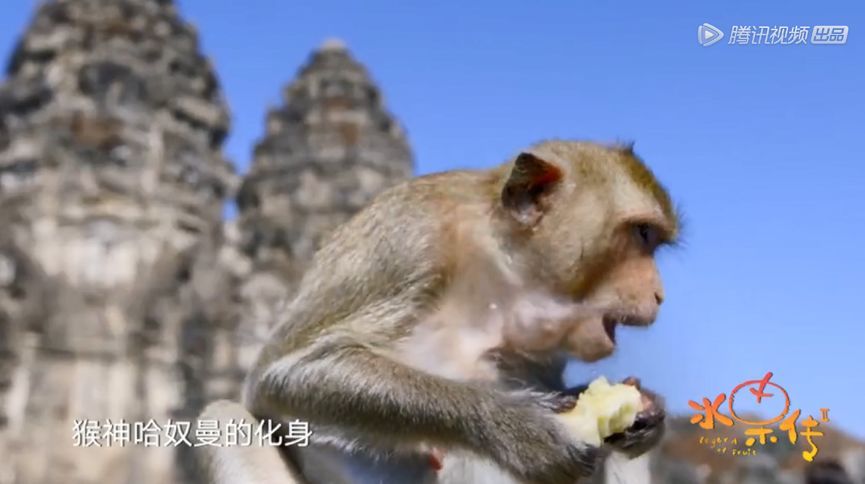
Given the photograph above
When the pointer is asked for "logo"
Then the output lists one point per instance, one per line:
(782, 35)
(829, 34)
(708, 34)
(759, 432)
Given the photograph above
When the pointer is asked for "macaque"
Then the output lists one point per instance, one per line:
(427, 341)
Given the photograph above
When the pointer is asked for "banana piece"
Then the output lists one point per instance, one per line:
(603, 410)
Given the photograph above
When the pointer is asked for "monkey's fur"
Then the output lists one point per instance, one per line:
(437, 320)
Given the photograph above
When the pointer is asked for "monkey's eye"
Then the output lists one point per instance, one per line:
(648, 236)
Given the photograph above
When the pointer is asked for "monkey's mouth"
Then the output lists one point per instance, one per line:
(595, 337)
(612, 321)
(610, 328)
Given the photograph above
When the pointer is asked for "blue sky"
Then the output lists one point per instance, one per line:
(760, 145)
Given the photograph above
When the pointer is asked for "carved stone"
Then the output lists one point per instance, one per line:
(111, 191)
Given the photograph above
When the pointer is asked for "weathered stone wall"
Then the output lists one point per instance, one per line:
(325, 153)
(123, 294)
(111, 191)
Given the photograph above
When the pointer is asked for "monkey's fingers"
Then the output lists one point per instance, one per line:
(647, 429)
(575, 391)
(557, 402)
(633, 381)
(564, 403)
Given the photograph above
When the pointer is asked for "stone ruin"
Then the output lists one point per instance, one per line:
(123, 293)
(325, 153)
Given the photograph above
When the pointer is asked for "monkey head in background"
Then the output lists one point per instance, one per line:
(427, 342)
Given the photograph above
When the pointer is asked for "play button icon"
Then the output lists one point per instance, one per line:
(708, 34)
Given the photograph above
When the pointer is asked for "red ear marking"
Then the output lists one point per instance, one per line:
(551, 175)
(534, 171)
(530, 179)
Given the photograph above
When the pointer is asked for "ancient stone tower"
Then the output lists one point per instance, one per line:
(111, 191)
(326, 152)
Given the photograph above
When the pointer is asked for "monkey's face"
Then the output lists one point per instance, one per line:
(627, 290)
(594, 218)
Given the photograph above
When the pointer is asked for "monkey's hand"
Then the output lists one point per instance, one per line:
(648, 428)
(537, 448)
(646, 431)
(557, 402)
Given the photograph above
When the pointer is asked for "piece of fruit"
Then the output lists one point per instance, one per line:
(603, 410)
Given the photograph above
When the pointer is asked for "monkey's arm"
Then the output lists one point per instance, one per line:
(347, 385)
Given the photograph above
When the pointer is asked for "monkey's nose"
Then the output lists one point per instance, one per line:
(659, 298)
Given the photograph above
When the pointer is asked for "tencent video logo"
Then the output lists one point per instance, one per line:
(708, 34)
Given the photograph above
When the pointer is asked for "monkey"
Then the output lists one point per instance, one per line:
(430, 330)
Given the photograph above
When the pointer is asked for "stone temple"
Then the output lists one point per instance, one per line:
(112, 184)
(123, 292)
(325, 153)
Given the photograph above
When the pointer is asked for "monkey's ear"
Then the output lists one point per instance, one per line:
(530, 180)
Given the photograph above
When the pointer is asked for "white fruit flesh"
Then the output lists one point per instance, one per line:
(603, 410)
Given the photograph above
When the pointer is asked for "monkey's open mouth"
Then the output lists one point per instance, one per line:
(610, 328)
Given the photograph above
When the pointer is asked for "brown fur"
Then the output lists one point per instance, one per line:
(394, 340)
